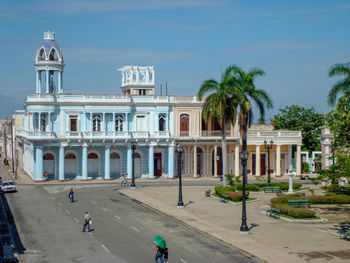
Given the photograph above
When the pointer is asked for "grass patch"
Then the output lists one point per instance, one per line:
(306, 218)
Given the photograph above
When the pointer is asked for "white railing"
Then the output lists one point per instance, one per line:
(215, 133)
(36, 133)
(140, 134)
(252, 133)
(161, 133)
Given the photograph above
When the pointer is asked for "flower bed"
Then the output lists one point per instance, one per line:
(229, 191)
(259, 186)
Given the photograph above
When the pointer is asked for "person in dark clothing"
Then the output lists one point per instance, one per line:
(71, 194)
(159, 254)
(165, 252)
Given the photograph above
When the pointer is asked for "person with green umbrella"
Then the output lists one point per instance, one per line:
(160, 246)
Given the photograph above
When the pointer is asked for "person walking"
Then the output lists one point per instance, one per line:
(71, 194)
(165, 252)
(124, 180)
(159, 254)
(87, 219)
(45, 176)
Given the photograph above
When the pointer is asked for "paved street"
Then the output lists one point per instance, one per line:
(50, 228)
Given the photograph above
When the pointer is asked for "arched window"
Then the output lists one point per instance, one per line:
(115, 155)
(41, 54)
(92, 156)
(70, 156)
(119, 122)
(53, 55)
(96, 122)
(162, 122)
(184, 124)
(48, 156)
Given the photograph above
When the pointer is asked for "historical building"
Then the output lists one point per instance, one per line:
(90, 136)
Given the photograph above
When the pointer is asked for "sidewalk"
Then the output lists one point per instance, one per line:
(271, 240)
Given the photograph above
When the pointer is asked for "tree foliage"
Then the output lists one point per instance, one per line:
(296, 118)
(339, 123)
(343, 85)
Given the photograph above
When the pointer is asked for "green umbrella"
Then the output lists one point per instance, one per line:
(160, 241)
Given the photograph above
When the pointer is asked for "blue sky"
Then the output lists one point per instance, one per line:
(188, 41)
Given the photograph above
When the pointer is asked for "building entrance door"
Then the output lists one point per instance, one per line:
(263, 164)
(158, 164)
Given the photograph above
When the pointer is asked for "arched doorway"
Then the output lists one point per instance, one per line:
(184, 124)
(200, 161)
(70, 166)
(115, 165)
(218, 160)
(137, 165)
(49, 165)
(93, 165)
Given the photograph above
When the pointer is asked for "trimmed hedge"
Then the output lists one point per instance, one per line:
(328, 199)
(259, 186)
(286, 209)
(234, 196)
(333, 188)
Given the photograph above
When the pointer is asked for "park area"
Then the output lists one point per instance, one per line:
(269, 238)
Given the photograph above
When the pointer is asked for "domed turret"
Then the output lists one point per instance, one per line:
(49, 58)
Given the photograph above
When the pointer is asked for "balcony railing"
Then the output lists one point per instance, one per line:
(36, 133)
(253, 133)
(216, 133)
(161, 133)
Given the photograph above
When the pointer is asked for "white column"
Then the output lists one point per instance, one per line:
(31, 121)
(290, 160)
(84, 169)
(59, 88)
(61, 164)
(171, 162)
(278, 160)
(215, 161)
(237, 160)
(151, 161)
(37, 82)
(39, 120)
(113, 125)
(49, 121)
(126, 122)
(195, 161)
(103, 121)
(47, 81)
(257, 161)
(107, 162)
(298, 159)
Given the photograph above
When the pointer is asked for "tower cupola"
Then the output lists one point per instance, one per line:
(49, 66)
(137, 80)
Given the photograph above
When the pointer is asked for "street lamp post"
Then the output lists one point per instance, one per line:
(243, 155)
(268, 147)
(133, 147)
(179, 150)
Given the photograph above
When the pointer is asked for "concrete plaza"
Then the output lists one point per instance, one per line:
(270, 239)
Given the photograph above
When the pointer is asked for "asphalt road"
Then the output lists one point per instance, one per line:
(50, 228)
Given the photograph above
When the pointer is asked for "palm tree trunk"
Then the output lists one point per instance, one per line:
(224, 162)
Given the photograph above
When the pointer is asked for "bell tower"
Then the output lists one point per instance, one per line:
(49, 66)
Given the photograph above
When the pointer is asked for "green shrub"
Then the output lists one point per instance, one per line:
(295, 212)
(249, 187)
(333, 188)
(234, 196)
(306, 167)
(327, 199)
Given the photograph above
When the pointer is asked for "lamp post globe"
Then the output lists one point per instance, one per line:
(179, 150)
(133, 148)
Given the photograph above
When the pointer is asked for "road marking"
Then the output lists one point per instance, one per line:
(93, 202)
(59, 204)
(134, 228)
(67, 211)
(104, 248)
(117, 217)
(104, 209)
(53, 197)
(182, 260)
(76, 220)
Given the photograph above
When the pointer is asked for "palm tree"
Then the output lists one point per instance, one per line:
(220, 105)
(342, 70)
(248, 94)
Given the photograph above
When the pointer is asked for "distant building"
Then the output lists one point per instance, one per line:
(87, 136)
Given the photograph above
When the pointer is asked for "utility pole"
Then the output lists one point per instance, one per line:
(13, 159)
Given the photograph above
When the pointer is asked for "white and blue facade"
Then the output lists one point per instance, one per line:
(89, 136)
